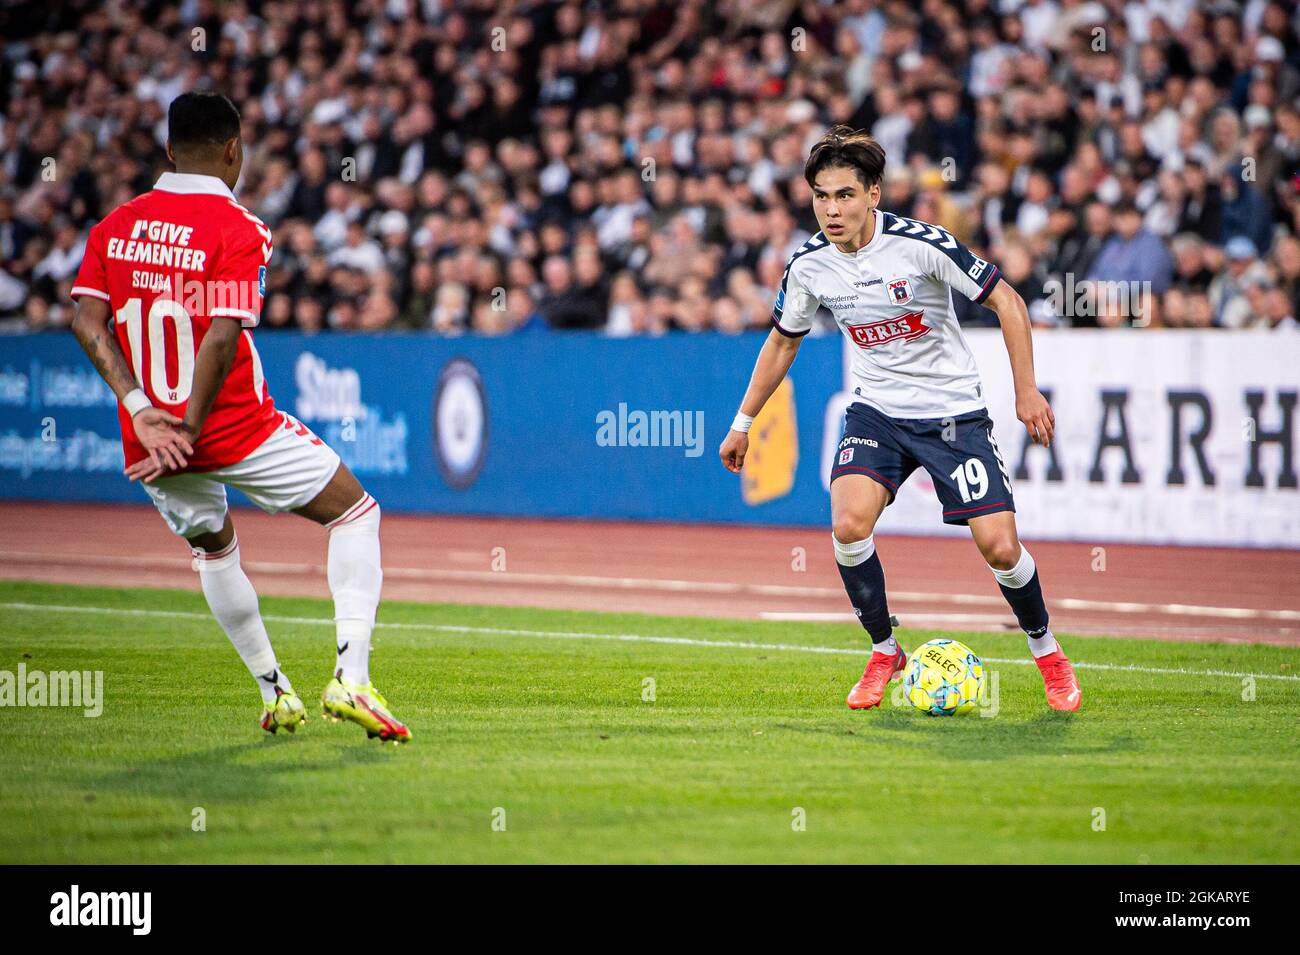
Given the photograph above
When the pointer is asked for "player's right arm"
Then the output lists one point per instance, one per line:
(90, 325)
(155, 427)
(773, 363)
(792, 317)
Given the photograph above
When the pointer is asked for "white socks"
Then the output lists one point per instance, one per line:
(1018, 575)
(1042, 646)
(850, 555)
(233, 602)
(355, 579)
(889, 646)
(353, 651)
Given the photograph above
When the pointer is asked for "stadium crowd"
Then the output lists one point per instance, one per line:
(635, 166)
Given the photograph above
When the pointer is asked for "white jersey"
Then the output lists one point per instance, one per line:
(892, 300)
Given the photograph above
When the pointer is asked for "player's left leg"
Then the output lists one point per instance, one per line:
(353, 567)
(972, 483)
(293, 470)
(355, 577)
(1017, 576)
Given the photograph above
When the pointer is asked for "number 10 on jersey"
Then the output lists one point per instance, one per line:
(132, 317)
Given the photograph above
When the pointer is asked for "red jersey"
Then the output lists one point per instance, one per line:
(168, 263)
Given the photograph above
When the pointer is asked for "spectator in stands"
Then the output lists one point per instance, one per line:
(637, 167)
(1079, 247)
(1133, 254)
(1227, 293)
(1202, 211)
(565, 306)
(1191, 266)
(1245, 211)
(1286, 264)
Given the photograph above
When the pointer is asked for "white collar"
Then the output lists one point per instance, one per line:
(189, 183)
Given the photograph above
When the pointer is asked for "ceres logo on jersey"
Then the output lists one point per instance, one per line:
(906, 327)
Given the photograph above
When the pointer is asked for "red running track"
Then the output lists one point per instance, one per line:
(1188, 593)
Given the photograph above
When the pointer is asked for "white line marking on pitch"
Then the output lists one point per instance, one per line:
(616, 637)
(514, 578)
(913, 619)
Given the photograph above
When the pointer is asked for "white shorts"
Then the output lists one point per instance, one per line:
(286, 471)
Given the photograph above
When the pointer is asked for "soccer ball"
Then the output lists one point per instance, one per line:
(943, 677)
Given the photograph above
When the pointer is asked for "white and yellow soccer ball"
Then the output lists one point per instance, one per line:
(943, 678)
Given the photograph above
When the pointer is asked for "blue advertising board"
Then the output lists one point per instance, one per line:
(538, 425)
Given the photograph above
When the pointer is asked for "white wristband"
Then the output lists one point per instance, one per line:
(136, 401)
(741, 422)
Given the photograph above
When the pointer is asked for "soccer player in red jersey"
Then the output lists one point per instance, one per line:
(167, 295)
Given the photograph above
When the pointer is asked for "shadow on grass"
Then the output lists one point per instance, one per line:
(224, 773)
(976, 738)
(972, 738)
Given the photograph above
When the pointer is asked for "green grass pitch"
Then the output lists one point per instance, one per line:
(550, 737)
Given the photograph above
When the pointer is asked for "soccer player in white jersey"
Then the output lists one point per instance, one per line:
(167, 296)
(887, 280)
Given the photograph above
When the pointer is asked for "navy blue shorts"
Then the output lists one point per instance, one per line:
(959, 453)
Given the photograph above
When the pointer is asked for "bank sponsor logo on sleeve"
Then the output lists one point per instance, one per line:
(905, 327)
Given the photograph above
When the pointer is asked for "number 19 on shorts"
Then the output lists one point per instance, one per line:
(972, 480)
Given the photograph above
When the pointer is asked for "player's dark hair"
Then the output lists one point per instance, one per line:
(196, 120)
(847, 148)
